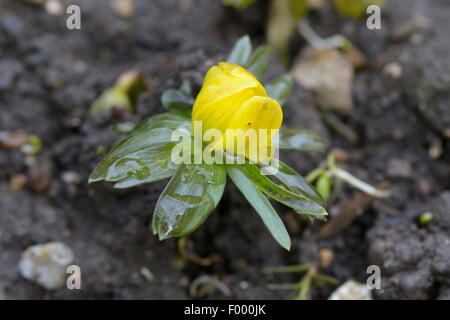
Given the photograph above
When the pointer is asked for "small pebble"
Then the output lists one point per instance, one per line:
(80, 67)
(17, 182)
(147, 274)
(326, 257)
(399, 168)
(71, 177)
(435, 151)
(340, 155)
(40, 175)
(243, 285)
(124, 8)
(46, 264)
(393, 69)
(14, 141)
(351, 290)
(54, 7)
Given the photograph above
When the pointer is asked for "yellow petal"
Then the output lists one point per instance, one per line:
(256, 114)
(225, 89)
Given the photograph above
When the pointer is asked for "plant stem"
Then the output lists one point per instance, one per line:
(317, 42)
(305, 284)
(314, 174)
(287, 269)
(359, 184)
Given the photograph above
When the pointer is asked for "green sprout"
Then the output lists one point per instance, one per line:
(355, 9)
(32, 146)
(301, 288)
(425, 218)
(238, 4)
(324, 175)
(122, 95)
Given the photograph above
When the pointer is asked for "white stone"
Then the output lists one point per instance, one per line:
(393, 69)
(54, 7)
(351, 290)
(46, 264)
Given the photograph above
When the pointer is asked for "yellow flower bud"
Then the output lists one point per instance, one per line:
(233, 102)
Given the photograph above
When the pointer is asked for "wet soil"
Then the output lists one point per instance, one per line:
(50, 75)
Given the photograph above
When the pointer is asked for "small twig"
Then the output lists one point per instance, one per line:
(339, 127)
(326, 279)
(359, 184)
(317, 42)
(349, 211)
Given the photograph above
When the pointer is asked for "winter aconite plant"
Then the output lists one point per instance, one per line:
(194, 145)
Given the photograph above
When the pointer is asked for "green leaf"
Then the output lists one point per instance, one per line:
(259, 61)
(298, 8)
(280, 88)
(177, 100)
(110, 98)
(144, 166)
(300, 139)
(280, 28)
(295, 183)
(323, 185)
(188, 199)
(290, 198)
(124, 93)
(241, 52)
(355, 8)
(238, 4)
(155, 131)
(186, 87)
(260, 203)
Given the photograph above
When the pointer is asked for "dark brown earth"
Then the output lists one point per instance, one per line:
(49, 76)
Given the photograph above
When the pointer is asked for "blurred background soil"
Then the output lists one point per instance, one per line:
(50, 75)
